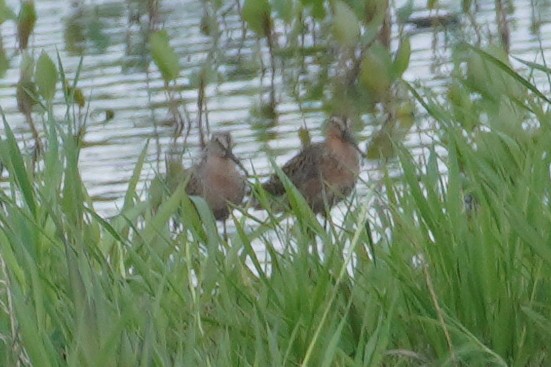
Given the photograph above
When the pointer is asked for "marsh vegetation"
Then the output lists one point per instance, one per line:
(445, 259)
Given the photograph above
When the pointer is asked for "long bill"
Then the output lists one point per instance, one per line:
(231, 156)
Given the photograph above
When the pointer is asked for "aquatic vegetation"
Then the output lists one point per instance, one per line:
(446, 263)
(422, 279)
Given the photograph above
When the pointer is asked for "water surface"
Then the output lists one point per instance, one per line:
(116, 75)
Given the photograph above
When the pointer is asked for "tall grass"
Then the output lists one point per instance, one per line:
(446, 283)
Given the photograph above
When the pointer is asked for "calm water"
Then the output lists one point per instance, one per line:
(111, 39)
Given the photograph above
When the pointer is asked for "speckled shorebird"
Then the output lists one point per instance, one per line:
(217, 178)
(326, 172)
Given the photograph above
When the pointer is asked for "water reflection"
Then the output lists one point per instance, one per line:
(118, 79)
(92, 29)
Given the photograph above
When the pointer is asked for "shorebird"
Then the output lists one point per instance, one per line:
(326, 172)
(216, 178)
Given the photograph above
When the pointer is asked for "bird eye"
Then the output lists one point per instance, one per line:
(342, 124)
(224, 142)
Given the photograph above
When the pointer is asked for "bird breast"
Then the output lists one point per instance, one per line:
(346, 165)
(222, 182)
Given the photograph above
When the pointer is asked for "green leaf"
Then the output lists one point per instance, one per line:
(530, 236)
(304, 136)
(333, 346)
(401, 60)
(6, 13)
(10, 259)
(156, 191)
(25, 93)
(31, 335)
(376, 73)
(284, 10)
(17, 167)
(346, 25)
(163, 214)
(507, 82)
(318, 10)
(134, 180)
(538, 319)
(26, 67)
(534, 65)
(256, 13)
(403, 13)
(26, 23)
(45, 76)
(164, 56)
(4, 62)
(75, 95)
(405, 117)
(381, 146)
(72, 200)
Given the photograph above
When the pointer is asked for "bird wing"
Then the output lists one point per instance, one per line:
(193, 186)
(300, 168)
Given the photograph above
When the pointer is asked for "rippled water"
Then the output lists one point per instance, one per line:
(115, 76)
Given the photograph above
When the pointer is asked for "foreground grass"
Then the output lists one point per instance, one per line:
(446, 285)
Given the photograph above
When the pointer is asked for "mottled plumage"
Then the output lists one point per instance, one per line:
(217, 178)
(324, 173)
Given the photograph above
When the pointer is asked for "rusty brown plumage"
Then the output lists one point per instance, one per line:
(326, 172)
(217, 178)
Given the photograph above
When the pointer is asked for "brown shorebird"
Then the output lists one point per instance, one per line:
(216, 178)
(326, 172)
